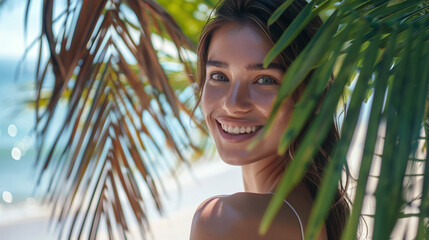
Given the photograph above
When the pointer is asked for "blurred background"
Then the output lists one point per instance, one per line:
(22, 215)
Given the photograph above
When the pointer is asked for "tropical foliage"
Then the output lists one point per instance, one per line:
(126, 97)
(381, 50)
(123, 70)
(189, 15)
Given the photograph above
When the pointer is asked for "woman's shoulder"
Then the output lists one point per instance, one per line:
(237, 216)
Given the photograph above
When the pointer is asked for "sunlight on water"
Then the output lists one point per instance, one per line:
(7, 197)
(12, 130)
(25, 144)
(16, 153)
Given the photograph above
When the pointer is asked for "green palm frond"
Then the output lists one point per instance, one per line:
(123, 121)
(124, 108)
(381, 48)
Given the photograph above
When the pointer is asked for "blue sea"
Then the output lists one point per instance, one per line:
(17, 152)
(16, 91)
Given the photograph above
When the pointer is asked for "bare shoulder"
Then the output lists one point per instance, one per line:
(238, 216)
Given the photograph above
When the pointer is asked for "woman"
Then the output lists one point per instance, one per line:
(236, 98)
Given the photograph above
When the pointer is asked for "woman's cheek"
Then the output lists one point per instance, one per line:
(207, 100)
(264, 100)
(211, 95)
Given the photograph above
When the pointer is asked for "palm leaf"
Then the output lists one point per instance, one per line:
(381, 48)
(123, 122)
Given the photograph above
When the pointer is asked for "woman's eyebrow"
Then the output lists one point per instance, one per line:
(260, 66)
(218, 64)
(255, 66)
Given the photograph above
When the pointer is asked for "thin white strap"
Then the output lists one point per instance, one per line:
(297, 216)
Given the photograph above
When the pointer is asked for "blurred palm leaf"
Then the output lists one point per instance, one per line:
(381, 51)
(190, 15)
(124, 72)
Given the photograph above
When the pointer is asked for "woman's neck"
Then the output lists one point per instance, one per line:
(263, 176)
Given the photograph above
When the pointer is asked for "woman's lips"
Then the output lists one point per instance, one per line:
(232, 136)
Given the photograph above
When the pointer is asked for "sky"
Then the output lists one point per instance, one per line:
(12, 44)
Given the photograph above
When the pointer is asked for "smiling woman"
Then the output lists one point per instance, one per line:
(237, 95)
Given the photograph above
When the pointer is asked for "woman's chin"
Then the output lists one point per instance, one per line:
(233, 162)
(235, 159)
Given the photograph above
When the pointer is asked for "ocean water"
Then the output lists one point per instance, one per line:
(16, 91)
(16, 139)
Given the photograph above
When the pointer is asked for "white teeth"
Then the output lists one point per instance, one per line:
(242, 130)
(238, 130)
(248, 129)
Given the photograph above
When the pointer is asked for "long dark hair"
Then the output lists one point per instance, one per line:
(256, 13)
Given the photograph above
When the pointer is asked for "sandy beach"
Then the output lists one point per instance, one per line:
(29, 220)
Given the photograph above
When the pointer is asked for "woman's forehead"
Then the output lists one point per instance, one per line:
(238, 42)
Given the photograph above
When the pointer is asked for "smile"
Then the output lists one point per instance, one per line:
(237, 133)
(235, 130)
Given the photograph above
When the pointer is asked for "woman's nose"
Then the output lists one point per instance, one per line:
(237, 99)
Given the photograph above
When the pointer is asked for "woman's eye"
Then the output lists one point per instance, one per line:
(218, 77)
(267, 81)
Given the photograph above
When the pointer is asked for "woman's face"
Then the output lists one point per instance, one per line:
(238, 94)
